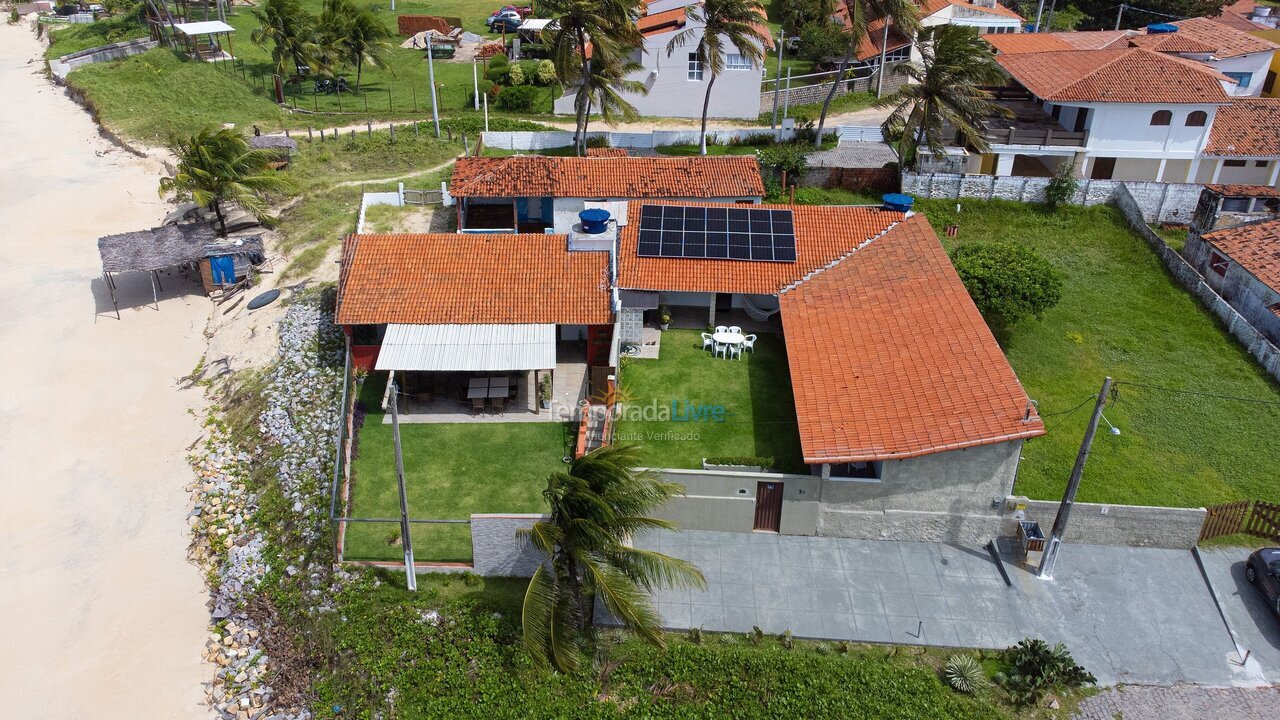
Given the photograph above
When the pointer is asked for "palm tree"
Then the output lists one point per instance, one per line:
(603, 87)
(353, 36)
(904, 14)
(586, 29)
(215, 166)
(738, 22)
(290, 30)
(946, 93)
(596, 507)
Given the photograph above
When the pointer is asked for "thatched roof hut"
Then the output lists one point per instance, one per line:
(279, 143)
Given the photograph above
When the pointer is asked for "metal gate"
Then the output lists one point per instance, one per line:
(423, 197)
(768, 506)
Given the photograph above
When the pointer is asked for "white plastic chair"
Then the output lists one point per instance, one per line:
(722, 350)
(750, 343)
(735, 329)
(735, 351)
(721, 328)
(707, 341)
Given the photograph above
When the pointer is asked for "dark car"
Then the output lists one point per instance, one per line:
(1262, 570)
(504, 22)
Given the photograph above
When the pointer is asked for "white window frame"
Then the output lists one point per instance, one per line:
(738, 61)
(695, 68)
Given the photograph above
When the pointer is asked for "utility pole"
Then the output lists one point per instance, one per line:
(786, 105)
(1119, 14)
(884, 47)
(411, 579)
(1050, 556)
(486, 112)
(1039, 12)
(431, 76)
(475, 82)
(777, 81)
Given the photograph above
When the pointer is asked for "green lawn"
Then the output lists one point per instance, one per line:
(66, 39)
(759, 417)
(1121, 315)
(451, 471)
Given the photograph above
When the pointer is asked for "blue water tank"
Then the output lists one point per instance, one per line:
(1161, 28)
(594, 221)
(898, 202)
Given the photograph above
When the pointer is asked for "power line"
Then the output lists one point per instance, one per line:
(1199, 393)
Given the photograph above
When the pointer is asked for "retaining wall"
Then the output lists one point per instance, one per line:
(1158, 202)
(65, 64)
(1123, 525)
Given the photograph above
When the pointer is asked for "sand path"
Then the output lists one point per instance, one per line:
(100, 614)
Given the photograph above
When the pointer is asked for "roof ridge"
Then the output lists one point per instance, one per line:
(818, 271)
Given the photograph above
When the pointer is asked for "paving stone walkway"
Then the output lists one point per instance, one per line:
(1181, 702)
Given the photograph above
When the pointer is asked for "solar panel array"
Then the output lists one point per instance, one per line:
(719, 233)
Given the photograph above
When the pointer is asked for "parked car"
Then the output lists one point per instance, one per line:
(1262, 570)
(523, 11)
(505, 23)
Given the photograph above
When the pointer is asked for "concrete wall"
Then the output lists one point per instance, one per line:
(1159, 202)
(1256, 63)
(726, 501)
(65, 64)
(498, 551)
(543, 140)
(808, 94)
(1124, 525)
(1125, 130)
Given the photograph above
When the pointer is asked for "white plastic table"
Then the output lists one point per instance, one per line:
(729, 338)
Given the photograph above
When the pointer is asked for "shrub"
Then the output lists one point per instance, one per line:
(1062, 187)
(486, 86)
(498, 73)
(822, 40)
(1035, 668)
(963, 673)
(788, 158)
(547, 72)
(515, 76)
(497, 59)
(1007, 281)
(598, 141)
(530, 70)
(748, 460)
(518, 98)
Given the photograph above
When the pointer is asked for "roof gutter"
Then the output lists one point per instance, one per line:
(872, 457)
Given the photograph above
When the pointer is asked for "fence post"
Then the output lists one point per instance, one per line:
(389, 98)
(309, 137)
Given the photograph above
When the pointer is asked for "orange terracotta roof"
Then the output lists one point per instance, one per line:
(470, 279)
(1015, 43)
(1172, 43)
(623, 177)
(1248, 127)
(662, 22)
(1128, 75)
(1255, 247)
(890, 359)
(823, 235)
(1236, 15)
(1224, 41)
(606, 152)
(1095, 39)
(932, 7)
(869, 45)
(1238, 190)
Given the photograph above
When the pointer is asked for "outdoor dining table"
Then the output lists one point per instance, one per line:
(487, 387)
(729, 338)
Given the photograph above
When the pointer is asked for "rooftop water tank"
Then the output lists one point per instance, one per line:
(594, 221)
(1161, 28)
(1262, 11)
(898, 202)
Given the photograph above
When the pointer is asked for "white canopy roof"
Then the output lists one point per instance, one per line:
(208, 27)
(468, 348)
(535, 25)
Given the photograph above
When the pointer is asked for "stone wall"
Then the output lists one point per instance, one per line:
(65, 64)
(1158, 202)
(1267, 355)
(809, 94)
(631, 325)
(1123, 525)
(548, 139)
(498, 551)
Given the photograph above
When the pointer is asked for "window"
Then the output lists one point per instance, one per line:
(1234, 163)
(858, 470)
(1056, 113)
(1261, 163)
(1242, 79)
(1197, 119)
(1235, 204)
(895, 55)
(1269, 84)
(695, 67)
(1218, 264)
(738, 62)
(1161, 117)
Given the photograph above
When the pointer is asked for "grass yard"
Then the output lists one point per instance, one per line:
(67, 39)
(365, 157)
(1121, 315)
(451, 471)
(759, 419)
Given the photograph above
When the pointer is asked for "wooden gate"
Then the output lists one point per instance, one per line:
(1264, 521)
(768, 506)
(423, 197)
(1252, 517)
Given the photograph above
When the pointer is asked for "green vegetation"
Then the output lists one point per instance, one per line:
(369, 157)
(451, 471)
(759, 413)
(1175, 236)
(1121, 315)
(847, 103)
(217, 166)
(1008, 281)
(315, 226)
(67, 39)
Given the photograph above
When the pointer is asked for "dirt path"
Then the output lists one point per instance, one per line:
(100, 614)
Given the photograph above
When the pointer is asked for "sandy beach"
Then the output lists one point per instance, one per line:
(101, 616)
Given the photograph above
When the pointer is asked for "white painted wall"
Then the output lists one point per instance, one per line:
(1125, 130)
(1256, 63)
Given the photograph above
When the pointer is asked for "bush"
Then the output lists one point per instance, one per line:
(748, 460)
(822, 40)
(598, 141)
(497, 61)
(530, 70)
(1007, 281)
(963, 673)
(486, 87)
(546, 72)
(499, 74)
(1035, 668)
(518, 98)
(1063, 186)
(787, 157)
(515, 76)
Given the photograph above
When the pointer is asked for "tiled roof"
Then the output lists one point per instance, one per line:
(1128, 75)
(1255, 247)
(890, 359)
(624, 177)
(662, 22)
(1224, 41)
(1236, 15)
(1095, 39)
(470, 279)
(823, 235)
(1237, 190)
(1247, 126)
(1015, 43)
(931, 7)
(606, 152)
(1177, 42)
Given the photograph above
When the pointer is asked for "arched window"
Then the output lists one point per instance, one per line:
(1161, 117)
(1197, 119)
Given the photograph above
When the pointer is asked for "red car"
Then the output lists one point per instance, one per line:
(522, 10)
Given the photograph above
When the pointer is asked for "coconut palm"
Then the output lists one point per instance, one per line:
(291, 32)
(736, 23)
(353, 36)
(216, 166)
(902, 14)
(602, 90)
(596, 506)
(586, 29)
(945, 92)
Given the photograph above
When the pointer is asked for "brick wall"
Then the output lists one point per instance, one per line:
(862, 179)
(807, 94)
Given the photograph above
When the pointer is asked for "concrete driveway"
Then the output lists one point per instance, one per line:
(1256, 628)
(1130, 615)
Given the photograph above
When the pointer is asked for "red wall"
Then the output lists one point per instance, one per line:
(365, 356)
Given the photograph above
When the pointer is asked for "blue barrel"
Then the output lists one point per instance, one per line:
(898, 202)
(594, 221)
(1161, 28)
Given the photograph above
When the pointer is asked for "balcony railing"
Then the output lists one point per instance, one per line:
(1037, 136)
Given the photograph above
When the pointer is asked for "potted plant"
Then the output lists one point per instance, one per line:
(664, 317)
(544, 392)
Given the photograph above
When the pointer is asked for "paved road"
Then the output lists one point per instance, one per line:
(1256, 627)
(1182, 702)
(100, 614)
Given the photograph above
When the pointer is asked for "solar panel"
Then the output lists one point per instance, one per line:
(736, 233)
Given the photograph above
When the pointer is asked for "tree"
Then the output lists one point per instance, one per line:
(583, 31)
(738, 23)
(902, 14)
(1009, 282)
(796, 14)
(822, 40)
(1101, 14)
(596, 507)
(216, 166)
(354, 36)
(945, 94)
(1053, 19)
(602, 89)
(291, 32)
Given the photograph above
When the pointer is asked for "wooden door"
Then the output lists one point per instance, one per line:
(1103, 168)
(768, 506)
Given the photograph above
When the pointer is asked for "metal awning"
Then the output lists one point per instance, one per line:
(207, 27)
(535, 25)
(468, 348)
(639, 299)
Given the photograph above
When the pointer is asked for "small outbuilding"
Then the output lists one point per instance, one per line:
(281, 146)
(204, 39)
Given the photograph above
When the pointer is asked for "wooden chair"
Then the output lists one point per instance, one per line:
(499, 404)
(477, 406)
